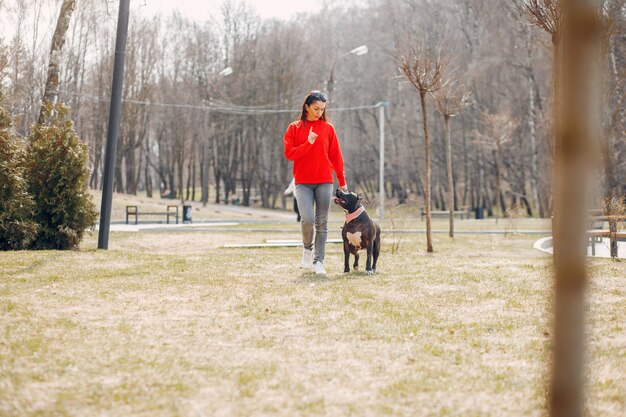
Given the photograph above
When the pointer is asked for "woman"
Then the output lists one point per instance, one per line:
(311, 143)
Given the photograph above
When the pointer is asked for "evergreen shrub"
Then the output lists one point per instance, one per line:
(57, 176)
(17, 228)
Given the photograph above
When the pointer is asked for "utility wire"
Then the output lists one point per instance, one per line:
(223, 107)
(220, 106)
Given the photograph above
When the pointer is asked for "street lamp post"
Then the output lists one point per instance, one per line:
(361, 50)
(205, 151)
(381, 178)
(114, 124)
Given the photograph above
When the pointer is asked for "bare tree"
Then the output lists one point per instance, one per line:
(574, 150)
(538, 175)
(423, 65)
(498, 130)
(141, 56)
(547, 15)
(614, 79)
(544, 14)
(29, 21)
(4, 60)
(51, 92)
(450, 100)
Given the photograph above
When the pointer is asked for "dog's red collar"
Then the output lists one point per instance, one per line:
(352, 216)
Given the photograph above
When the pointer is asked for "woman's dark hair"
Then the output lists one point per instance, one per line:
(312, 97)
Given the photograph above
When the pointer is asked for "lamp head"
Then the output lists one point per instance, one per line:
(361, 50)
(226, 72)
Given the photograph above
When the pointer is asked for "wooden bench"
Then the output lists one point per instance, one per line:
(620, 236)
(596, 233)
(595, 236)
(134, 211)
(444, 213)
(595, 227)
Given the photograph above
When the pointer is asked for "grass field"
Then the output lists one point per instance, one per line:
(172, 324)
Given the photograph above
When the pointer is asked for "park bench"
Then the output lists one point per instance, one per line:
(595, 226)
(444, 213)
(596, 233)
(172, 211)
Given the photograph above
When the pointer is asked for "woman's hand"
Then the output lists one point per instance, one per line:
(312, 136)
(344, 188)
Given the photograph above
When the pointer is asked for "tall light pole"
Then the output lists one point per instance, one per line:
(205, 151)
(361, 50)
(114, 124)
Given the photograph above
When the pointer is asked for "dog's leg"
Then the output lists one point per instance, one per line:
(376, 251)
(368, 263)
(356, 261)
(346, 257)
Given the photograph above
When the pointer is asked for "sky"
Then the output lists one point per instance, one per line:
(200, 9)
(195, 9)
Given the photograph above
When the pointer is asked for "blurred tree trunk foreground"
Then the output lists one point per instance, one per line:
(577, 123)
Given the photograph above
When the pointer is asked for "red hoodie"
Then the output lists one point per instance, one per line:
(314, 164)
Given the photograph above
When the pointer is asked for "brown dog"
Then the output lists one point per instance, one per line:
(359, 232)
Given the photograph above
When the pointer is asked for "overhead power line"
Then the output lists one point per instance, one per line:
(220, 107)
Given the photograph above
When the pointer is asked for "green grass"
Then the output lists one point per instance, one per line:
(175, 325)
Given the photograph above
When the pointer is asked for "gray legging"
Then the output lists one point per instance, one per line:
(320, 194)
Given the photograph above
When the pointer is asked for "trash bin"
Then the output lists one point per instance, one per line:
(479, 213)
(186, 214)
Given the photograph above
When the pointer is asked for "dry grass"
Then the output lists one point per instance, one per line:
(174, 325)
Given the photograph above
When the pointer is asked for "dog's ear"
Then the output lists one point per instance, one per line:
(359, 197)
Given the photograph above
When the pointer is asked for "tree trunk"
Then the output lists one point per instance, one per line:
(534, 167)
(94, 182)
(218, 181)
(193, 180)
(146, 173)
(130, 167)
(172, 183)
(51, 92)
(613, 238)
(480, 185)
(180, 172)
(429, 243)
(205, 160)
(189, 176)
(139, 168)
(466, 177)
(556, 86)
(119, 180)
(449, 170)
(573, 147)
(499, 169)
(614, 78)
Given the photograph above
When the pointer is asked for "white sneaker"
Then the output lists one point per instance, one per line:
(318, 268)
(307, 259)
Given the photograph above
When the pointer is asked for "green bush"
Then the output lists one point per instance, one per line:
(17, 228)
(57, 177)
